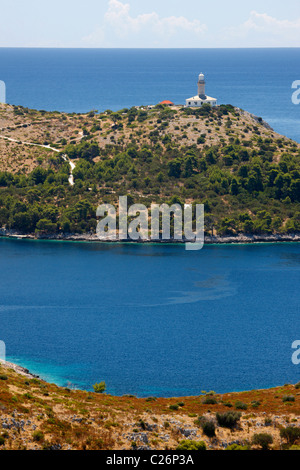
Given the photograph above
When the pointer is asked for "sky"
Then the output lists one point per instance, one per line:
(155, 23)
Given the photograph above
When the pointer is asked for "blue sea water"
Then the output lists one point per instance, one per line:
(151, 320)
(78, 80)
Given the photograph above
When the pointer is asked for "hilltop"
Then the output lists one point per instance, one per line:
(38, 415)
(246, 174)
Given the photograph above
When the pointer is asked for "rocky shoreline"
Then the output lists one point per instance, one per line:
(18, 369)
(209, 240)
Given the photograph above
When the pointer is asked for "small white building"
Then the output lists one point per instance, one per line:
(201, 98)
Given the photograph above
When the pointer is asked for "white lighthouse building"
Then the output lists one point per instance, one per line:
(201, 98)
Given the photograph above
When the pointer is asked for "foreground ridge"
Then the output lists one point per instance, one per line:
(37, 415)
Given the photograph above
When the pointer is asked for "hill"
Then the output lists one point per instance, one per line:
(37, 415)
(246, 174)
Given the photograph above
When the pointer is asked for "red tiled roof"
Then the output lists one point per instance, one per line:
(166, 102)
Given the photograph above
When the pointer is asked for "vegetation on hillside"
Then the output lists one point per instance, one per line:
(38, 415)
(247, 176)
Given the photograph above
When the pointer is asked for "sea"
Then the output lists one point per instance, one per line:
(152, 320)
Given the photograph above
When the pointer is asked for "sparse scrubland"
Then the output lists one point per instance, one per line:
(38, 415)
(246, 175)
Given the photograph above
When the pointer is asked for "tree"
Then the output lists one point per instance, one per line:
(46, 226)
(22, 221)
(290, 434)
(115, 117)
(234, 188)
(228, 419)
(85, 150)
(175, 168)
(248, 226)
(39, 175)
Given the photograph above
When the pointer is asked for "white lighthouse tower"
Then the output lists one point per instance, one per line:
(201, 98)
(201, 86)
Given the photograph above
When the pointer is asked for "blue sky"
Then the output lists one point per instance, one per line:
(141, 23)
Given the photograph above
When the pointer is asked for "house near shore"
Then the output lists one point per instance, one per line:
(200, 99)
(167, 103)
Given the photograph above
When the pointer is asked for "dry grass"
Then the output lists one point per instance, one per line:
(57, 129)
(39, 415)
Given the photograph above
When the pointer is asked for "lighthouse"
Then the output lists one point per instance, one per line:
(201, 98)
(201, 86)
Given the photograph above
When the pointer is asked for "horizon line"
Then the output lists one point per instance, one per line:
(147, 47)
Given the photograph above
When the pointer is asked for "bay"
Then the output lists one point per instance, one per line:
(149, 319)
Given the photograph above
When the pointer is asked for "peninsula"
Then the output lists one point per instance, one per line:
(56, 168)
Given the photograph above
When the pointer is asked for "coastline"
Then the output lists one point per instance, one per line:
(38, 415)
(241, 239)
(18, 369)
(26, 373)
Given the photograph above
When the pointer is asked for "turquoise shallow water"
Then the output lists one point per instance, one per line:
(151, 320)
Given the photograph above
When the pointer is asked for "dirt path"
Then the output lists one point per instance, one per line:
(65, 156)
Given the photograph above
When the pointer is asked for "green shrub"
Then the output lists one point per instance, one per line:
(209, 428)
(210, 401)
(3, 377)
(191, 445)
(237, 447)
(100, 387)
(262, 440)
(255, 404)
(228, 405)
(2, 441)
(239, 405)
(151, 399)
(201, 140)
(142, 424)
(173, 407)
(228, 419)
(288, 398)
(38, 436)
